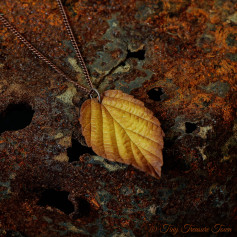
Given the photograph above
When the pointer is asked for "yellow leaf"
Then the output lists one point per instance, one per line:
(121, 129)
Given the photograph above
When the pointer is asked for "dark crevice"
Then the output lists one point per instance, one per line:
(155, 93)
(76, 150)
(14, 233)
(190, 127)
(171, 161)
(2, 58)
(83, 208)
(16, 117)
(57, 199)
(140, 54)
(122, 64)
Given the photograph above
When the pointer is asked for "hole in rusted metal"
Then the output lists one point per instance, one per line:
(76, 150)
(171, 162)
(13, 233)
(2, 58)
(140, 54)
(190, 127)
(16, 117)
(155, 93)
(84, 208)
(57, 199)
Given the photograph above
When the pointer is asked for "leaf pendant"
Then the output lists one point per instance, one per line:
(121, 129)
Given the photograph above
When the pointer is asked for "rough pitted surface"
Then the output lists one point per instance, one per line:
(179, 58)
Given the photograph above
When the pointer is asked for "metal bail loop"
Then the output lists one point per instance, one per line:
(97, 92)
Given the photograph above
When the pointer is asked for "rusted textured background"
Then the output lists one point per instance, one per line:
(179, 57)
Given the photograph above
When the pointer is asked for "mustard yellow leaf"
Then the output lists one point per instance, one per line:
(121, 129)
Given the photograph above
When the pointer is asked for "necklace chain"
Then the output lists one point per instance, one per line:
(73, 41)
(46, 60)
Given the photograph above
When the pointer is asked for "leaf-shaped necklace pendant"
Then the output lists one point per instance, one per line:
(121, 129)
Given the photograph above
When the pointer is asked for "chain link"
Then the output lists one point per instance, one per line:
(45, 59)
(73, 41)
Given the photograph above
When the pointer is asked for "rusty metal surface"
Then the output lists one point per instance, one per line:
(179, 57)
